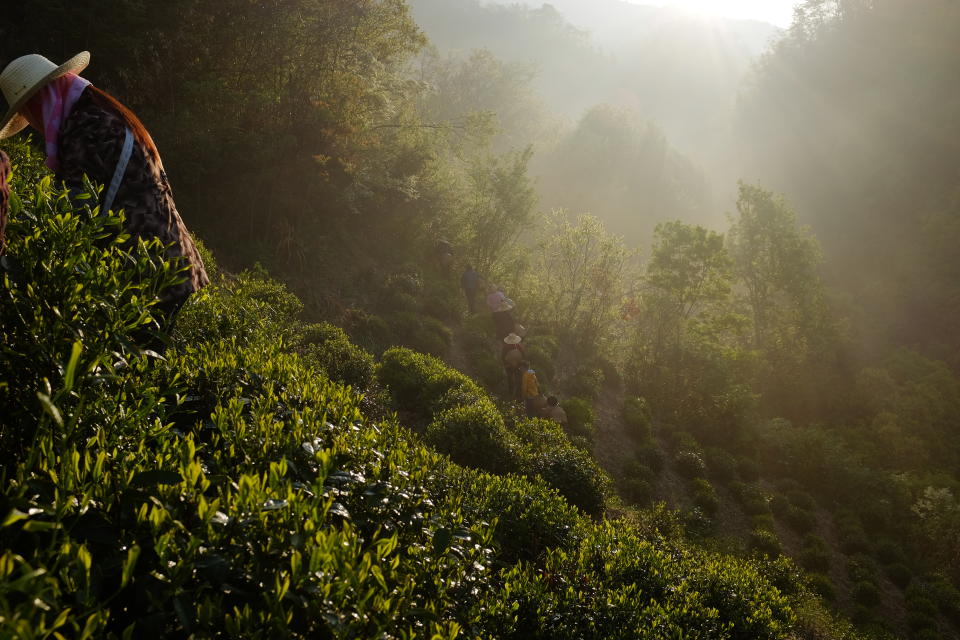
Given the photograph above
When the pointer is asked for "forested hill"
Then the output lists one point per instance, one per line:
(636, 101)
(762, 410)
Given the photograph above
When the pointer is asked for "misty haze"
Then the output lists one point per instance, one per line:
(580, 319)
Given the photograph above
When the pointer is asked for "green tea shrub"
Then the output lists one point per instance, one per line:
(328, 347)
(815, 555)
(586, 382)
(418, 382)
(899, 574)
(367, 330)
(748, 469)
(530, 516)
(853, 539)
(76, 294)
(251, 307)
(860, 566)
(800, 520)
(802, 500)
(763, 521)
(866, 594)
(721, 465)
(394, 299)
(617, 585)
(752, 498)
(765, 542)
(698, 524)
(575, 474)
(780, 506)
(636, 415)
(579, 417)
(704, 496)
(679, 440)
(489, 370)
(419, 332)
(474, 436)
(924, 629)
(889, 552)
(823, 586)
(946, 596)
(444, 304)
(690, 464)
(651, 456)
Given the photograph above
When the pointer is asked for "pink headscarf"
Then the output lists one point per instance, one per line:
(53, 103)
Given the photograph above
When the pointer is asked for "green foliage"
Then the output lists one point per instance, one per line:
(752, 498)
(823, 586)
(721, 464)
(367, 330)
(899, 574)
(815, 555)
(636, 415)
(501, 206)
(420, 333)
(75, 299)
(570, 469)
(579, 416)
(690, 464)
(765, 542)
(704, 496)
(251, 307)
(474, 436)
(866, 594)
(574, 287)
(586, 382)
(328, 347)
(748, 469)
(417, 382)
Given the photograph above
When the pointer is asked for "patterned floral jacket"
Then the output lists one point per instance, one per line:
(90, 142)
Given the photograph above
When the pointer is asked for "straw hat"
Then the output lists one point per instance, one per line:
(513, 339)
(24, 77)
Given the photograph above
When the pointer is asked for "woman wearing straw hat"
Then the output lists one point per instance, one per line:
(88, 132)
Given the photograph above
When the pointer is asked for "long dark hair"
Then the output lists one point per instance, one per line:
(107, 101)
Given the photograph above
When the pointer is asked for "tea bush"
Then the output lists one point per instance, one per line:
(226, 490)
(690, 464)
(815, 555)
(765, 542)
(571, 470)
(636, 415)
(75, 304)
(327, 347)
(721, 465)
(474, 436)
(704, 496)
(866, 594)
(579, 416)
(823, 586)
(586, 382)
(899, 574)
(419, 332)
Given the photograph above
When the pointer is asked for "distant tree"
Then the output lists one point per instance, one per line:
(776, 266)
(688, 274)
(686, 351)
(499, 209)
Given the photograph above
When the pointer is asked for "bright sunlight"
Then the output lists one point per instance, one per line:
(778, 12)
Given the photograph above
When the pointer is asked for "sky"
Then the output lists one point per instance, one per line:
(778, 12)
